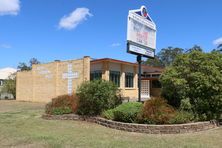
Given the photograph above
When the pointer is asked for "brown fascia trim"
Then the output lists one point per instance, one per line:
(150, 78)
(124, 62)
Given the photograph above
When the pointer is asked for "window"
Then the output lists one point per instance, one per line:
(156, 84)
(95, 75)
(114, 76)
(129, 80)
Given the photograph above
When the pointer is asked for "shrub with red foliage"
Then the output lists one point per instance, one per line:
(157, 111)
(62, 105)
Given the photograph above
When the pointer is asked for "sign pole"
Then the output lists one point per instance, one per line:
(139, 60)
(141, 38)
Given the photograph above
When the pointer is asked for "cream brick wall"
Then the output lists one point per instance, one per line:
(105, 66)
(46, 81)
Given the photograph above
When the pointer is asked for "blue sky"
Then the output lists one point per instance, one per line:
(70, 29)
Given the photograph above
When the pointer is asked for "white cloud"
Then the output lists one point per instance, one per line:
(6, 46)
(9, 7)
(217, 41)
(75, 18)
(116, 45)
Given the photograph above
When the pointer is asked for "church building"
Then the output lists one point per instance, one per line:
(46, 81)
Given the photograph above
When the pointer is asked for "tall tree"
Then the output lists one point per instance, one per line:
(194, 48)
(154, 62)
(33, 61)
(168, 55)
(219, 47)
(23, 67)
(165, 57)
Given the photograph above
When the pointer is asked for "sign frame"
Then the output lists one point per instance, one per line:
(143, 48)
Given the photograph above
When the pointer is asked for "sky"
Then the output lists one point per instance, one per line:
(70, 29)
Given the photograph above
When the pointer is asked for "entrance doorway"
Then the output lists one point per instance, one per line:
(145, 90)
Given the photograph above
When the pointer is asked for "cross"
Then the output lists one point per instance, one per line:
(70, 75)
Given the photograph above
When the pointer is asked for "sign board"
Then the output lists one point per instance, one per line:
(141, 33)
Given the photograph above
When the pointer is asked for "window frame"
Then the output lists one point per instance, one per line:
(96, 75)
(129, 80)
(114, 76)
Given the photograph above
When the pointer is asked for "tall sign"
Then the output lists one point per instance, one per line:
(141, 37)
(141, 33)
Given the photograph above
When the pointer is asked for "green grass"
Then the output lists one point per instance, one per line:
(21, 125)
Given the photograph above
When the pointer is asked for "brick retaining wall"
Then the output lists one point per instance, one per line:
(140, 128)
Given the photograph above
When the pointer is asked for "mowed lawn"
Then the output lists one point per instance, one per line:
(21, 125)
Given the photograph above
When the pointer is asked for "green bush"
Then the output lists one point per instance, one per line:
(156, 110)
(97, 96)
(62, 105)
(127, 112)
(61, 110)
(182, 117)
(185, 105)
(108, 114)
(196, 76)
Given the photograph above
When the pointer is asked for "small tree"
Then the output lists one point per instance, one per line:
(97, 96)
(197, 77)
(9, 85)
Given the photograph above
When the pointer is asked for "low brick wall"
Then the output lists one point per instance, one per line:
(140, 128)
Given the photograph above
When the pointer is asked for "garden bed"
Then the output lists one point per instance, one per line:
(140, 128)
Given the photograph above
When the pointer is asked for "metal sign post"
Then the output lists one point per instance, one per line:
(141, 38)
(139, 60)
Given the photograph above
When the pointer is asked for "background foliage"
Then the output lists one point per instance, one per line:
(9, 85)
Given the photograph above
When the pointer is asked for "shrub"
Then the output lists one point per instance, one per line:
(185, 105)
(156, 110)
(62, 105)
(127, 112)
(197, 76)
(97, 96)
(182, 117)
(108, 114)
(61, 110)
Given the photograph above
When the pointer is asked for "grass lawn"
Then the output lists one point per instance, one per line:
(21, 126)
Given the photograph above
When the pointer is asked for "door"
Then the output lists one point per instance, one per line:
(145, 90)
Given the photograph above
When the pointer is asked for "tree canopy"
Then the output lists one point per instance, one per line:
(26, 67)
(166, 56)
(195, 76)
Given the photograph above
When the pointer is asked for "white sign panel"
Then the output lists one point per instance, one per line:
(142, 51)
(141, 30)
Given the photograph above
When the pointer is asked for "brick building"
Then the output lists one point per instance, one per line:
(46, 81)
